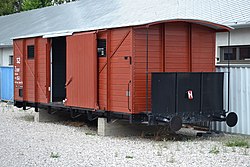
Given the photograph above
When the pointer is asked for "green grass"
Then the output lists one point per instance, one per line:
(214, 150)
(237, 143)
(54, 155)
(129, 157)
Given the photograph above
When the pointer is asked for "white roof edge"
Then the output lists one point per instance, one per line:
(57, 34)
(70, 32)
(5, 46)
(28, 36)
(46, 35)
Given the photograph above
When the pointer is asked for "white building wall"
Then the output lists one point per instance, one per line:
(237, 37)
(239, 82)
(4, 56)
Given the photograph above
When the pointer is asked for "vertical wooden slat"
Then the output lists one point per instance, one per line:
(163, 47)
(108, 66)
(35, 70)
(131, 69)
(190, 46)
(48, 74)
(94, 50)
(24, 71)
(102, 82)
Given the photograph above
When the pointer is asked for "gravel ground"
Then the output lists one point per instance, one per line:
(24, 142)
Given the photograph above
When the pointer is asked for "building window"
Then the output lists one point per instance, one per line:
(31, 51)
(244, 53)
(101, 47)
(236, 54)
(10, 60)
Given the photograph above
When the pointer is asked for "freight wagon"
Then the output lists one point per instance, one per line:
(158, 73)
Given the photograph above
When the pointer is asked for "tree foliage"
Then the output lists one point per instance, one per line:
(34, 4)
(14, 6)
(7, 7)
(58, 2)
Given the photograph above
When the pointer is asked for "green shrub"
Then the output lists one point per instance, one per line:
(237, 143)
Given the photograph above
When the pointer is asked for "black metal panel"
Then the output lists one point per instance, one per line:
(212, 92)
(193, 96)
(188, 82)
(163, 93)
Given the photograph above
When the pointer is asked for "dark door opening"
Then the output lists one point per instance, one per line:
(58, 69)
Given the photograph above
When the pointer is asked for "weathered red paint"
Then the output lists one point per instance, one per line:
(115, 71)
(18, 68)
(103, 75)
(116, 82)
(81, 70)
(33, 72)
(182, 46)
(203, 49)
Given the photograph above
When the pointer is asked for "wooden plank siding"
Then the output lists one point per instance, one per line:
(18, 68)
(139, 63)
(103, 83)
(81, 63)
(182, 46)
(115, 70)
(177, 47)
(29, 85)
(203, 49)
(119, 70)
(34, 75)
(42, 73)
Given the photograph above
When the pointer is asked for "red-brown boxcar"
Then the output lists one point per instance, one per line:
(106, 72)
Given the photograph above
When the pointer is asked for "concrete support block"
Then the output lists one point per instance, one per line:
(121, 128)
(44, 116)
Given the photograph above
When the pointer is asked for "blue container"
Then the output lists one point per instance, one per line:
(6, 83)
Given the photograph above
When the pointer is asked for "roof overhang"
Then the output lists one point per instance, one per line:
(217, 27)
(57, 34)
(46, 35)
(5, 46)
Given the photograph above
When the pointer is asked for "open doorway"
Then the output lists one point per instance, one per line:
(58, 67)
